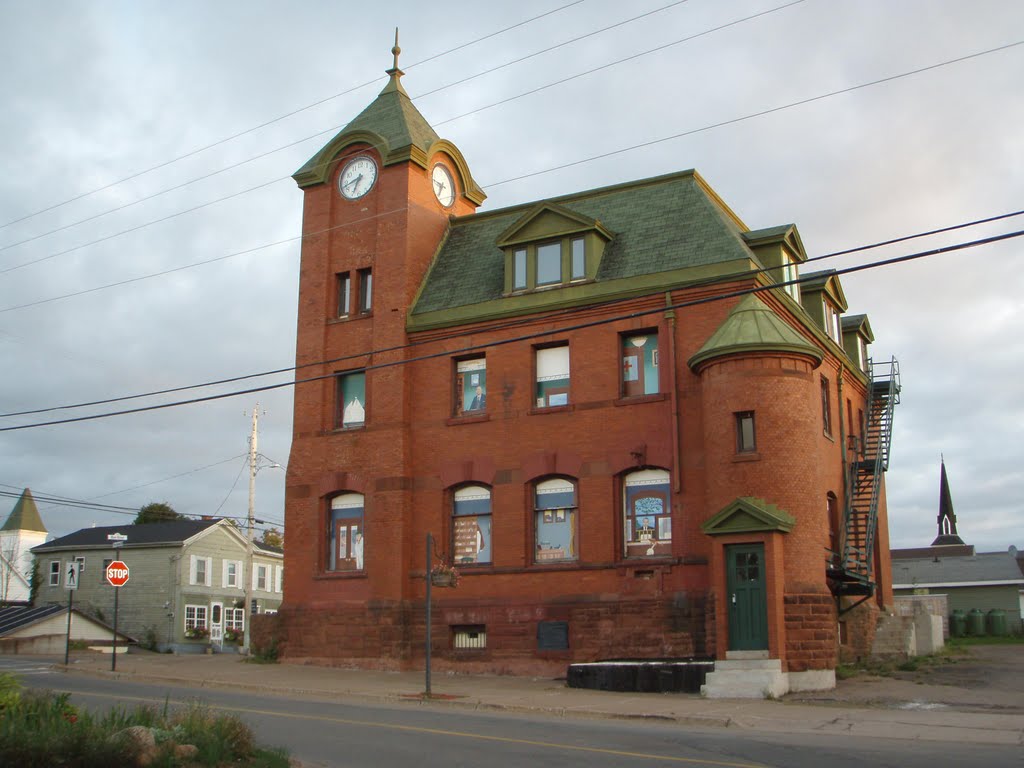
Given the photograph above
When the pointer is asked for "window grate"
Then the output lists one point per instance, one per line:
(471, 638)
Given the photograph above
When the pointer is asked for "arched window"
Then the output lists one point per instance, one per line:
(471, 525)
(555, 520)
(346, 533)
(647, 514)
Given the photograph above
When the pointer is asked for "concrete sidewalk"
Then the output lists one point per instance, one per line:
(553, 697)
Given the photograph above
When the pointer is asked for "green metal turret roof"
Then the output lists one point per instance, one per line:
(753, 327)
(25, 515)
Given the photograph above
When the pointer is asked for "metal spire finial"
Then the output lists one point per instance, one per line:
(396, 50)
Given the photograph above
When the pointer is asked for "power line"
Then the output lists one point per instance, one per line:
(532, 174)
(331, 130)
(317, 103)
(530, 336)
(509, 324)
(62, 501)
(753, 115)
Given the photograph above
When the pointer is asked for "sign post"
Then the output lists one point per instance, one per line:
(117, 576)
(71, 585)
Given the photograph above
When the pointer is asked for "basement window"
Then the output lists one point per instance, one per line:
(469, 638)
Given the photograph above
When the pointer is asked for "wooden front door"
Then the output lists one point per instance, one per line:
(747, 597)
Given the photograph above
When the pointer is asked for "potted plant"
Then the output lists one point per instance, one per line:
(198, 632)
(444, 575)
(233, 635)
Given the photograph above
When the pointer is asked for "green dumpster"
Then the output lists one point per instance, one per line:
(958, 624)
(976, 622)
(997, 622)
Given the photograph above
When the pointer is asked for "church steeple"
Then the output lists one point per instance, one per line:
(947, 519)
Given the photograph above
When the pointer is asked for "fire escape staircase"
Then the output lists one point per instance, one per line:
(850, 571)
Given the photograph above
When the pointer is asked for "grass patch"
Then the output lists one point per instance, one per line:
(41, 728)
(965, 642)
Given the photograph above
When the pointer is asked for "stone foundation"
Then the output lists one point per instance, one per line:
(391, 636)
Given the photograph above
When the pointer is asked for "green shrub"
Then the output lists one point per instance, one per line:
(43, 729)
(10, 691)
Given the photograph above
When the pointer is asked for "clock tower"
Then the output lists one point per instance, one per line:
(377, 203)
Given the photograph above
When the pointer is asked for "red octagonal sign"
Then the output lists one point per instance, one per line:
(117, 574)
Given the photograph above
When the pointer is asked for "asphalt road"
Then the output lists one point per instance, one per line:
(336, 733)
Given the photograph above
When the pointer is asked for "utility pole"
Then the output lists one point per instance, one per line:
(247, 621)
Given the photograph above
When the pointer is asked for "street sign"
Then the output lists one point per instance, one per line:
(117, 574)
(71, 575)
(116, 539)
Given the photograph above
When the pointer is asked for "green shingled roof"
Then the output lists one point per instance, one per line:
(391, 123)
(752, 327)
(658, 225)
(25, 515)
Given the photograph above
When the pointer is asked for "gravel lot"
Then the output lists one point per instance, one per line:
(987, 678)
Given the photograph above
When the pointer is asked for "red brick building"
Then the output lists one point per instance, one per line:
(624, 417)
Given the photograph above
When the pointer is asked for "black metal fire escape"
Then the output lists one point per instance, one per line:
(851, 569)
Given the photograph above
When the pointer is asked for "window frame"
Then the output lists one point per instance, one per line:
(643, 378)
(524, 265)
(743, 445)
(345, 500)
(227, 580)
(461, 368)
(55, 572)
(483, 541)
(832, 319)
(364, 298)
(193, 571)
(343, 287)
(261, 574)
(353, 293)
(339, 402)
(826, 407)
(791, 272)
(193, 622)
(542, 402)
(234, 618)
(656, 483)
(569, 516)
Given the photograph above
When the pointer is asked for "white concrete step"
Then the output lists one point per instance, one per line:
(740, 679)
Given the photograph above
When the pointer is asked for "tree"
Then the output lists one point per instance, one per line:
(157, 512)
(272, 538)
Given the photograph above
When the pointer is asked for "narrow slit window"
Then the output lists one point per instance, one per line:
(365, 291)
(745, 435)
(344, 294)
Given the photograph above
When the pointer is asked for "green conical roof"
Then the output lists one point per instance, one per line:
(24, 516)
(391, 123)
(751, 328)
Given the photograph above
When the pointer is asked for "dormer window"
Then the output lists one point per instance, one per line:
(832, 321)
(551, 247)
(791, 273)
(549, 264)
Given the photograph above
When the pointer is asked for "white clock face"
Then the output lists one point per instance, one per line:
(444, 185)
(358, 177)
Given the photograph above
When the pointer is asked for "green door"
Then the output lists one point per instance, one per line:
(748, 607)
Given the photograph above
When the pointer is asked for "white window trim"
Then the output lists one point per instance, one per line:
(55, 572)
(193, 572)
(256, 568)
(225, 581)
(196, 622)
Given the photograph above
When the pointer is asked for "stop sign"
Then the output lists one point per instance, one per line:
(117, 574)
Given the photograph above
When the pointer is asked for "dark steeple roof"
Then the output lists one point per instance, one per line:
(25, 515)
(947, 519)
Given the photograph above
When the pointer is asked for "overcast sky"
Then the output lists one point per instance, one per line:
(96, 92)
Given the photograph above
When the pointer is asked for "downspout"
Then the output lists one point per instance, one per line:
(670, 316)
